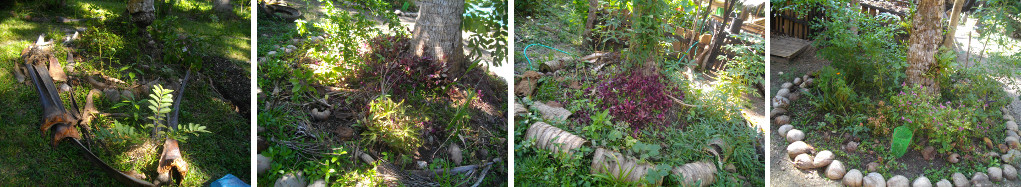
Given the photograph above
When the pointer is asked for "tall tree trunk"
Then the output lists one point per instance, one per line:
(923, 44)
(955, 16)
(222, 6)
(437, 33)
(593, 7)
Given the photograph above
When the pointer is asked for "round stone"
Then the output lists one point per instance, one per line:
(995, 174)
(921, 181)
(795, 135)
(874, 180)
(836, 170)
(853, 178)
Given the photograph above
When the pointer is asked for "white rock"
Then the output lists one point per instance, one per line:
(783, 119)
(836, 170)
(995, 174)
(1011, 125)
(797, 80)
(1009, 172)
(318, 183)
(780, 102)
(803, 161)
(786, 85)
(1012, 142)
(777, 111)
(292, 180)
(944, 183)
(794, 96)
(960, 180)
(980, 179)
(921, 181)
(874, 180)
(823, 159)
(264, 163)
(795, 135)
(799, 147)
(853, 178)
(291, 46)
(422, 165)
(64, 87)
(455, 154)
(898, 181)
(271, 53)
(782, 93)
(784, 129)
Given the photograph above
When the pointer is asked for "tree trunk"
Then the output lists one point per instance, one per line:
(923, 44)
(222, 6)
(142, 12)
(645, 50)
(955, 16)
(593, 7)
(718, 37)
(437, 33)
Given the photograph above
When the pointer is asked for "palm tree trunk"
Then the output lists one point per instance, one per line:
(437, 33)
(923, 44)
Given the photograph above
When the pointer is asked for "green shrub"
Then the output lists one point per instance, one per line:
(943, 123)
(747, 69)
(835, 95)
(390, 125)
(872, 57)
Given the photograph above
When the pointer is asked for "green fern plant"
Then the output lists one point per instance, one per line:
(160, 102)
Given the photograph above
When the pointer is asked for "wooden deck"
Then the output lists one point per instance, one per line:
(786, 47)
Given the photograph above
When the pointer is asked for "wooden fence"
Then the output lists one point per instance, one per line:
(788, 23)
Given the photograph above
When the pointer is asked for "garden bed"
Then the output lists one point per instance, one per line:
(584, 114)
(371, 113)
(969, 130)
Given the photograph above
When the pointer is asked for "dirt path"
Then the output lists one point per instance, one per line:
(969, 49)
(781, 170)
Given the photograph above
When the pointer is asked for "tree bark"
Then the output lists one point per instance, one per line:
(143, 12)
(923, 44)
(437, 33)
(222, 6)
(593, 7)
(955, 17)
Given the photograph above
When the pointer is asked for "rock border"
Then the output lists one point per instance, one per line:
(804, 157)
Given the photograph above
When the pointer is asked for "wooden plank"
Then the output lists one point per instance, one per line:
(787, 47)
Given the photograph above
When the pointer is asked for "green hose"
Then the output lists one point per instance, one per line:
(525, 51)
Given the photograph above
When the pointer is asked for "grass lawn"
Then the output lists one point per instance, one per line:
(111, 45)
